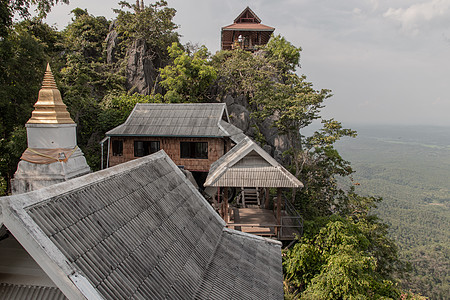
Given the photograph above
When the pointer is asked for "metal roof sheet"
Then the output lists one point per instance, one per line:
(182, 119)
(248, 165)
(140, 230)
(26, 292)
(236, 135)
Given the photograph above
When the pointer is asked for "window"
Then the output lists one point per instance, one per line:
(143, 148)
(117, 148)
(194, 150)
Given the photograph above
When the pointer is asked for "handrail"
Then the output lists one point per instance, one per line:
(294, 213)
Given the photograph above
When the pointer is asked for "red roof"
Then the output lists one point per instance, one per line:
(248, 27)
(249, 13)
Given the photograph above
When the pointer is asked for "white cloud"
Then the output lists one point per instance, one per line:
(417, 16)
(357, 11)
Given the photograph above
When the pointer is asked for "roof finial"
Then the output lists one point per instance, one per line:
(49, 109)
(49, 81)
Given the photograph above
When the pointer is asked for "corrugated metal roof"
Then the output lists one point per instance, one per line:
(236, 135)
(183, 119)
(248, 165)
(25, 292)
(141, 230)
(244, 257)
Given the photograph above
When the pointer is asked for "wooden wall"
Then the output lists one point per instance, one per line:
(172, 147)
(253, 38)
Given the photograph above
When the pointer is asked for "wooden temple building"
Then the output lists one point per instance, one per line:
(246, 32)
(193, 135)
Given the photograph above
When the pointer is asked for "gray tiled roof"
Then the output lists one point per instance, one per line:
(248, 165)
(27, 292)
(248, 261)
(141, 230)
(183, 119)
(236, 135)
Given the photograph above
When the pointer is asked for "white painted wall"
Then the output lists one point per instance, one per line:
(51, 136)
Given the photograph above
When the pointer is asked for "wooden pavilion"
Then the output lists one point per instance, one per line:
(251, 170)
(246, 32)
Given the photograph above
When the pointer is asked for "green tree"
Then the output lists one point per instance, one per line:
(189, 78)
(84, 78)
(117, 106)
(348, 258)
(22, 8)
(282, 53)
(152, 24)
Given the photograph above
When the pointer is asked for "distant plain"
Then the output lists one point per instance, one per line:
(409, 167)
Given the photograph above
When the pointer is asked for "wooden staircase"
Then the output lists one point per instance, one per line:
(250, 197)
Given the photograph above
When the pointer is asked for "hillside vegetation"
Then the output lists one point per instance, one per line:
(410, 168)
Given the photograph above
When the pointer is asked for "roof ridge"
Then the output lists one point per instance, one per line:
(210, 260)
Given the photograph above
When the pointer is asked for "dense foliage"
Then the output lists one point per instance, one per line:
(345, 252)
(346, 259)
(189, 77)
(152, 24)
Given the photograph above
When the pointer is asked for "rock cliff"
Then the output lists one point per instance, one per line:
(142, 77)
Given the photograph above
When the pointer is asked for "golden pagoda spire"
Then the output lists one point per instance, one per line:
(50, 109)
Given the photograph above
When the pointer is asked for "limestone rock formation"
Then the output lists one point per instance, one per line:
(239, 112)
(141, 72)
(141, 65)
(111, 44)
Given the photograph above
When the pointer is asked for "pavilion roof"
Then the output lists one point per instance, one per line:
(249, 13)
(248, 21)
(248, 165)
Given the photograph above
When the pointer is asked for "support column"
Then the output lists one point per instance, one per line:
(278, 209)
(219, 204)
(225, 204)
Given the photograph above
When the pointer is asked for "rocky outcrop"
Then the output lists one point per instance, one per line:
(141, 65)
(239, 113)
(111, 44)
(141, 72)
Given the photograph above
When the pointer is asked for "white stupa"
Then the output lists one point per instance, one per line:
(52, 155)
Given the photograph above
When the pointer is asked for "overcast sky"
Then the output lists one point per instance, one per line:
(387, 62)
